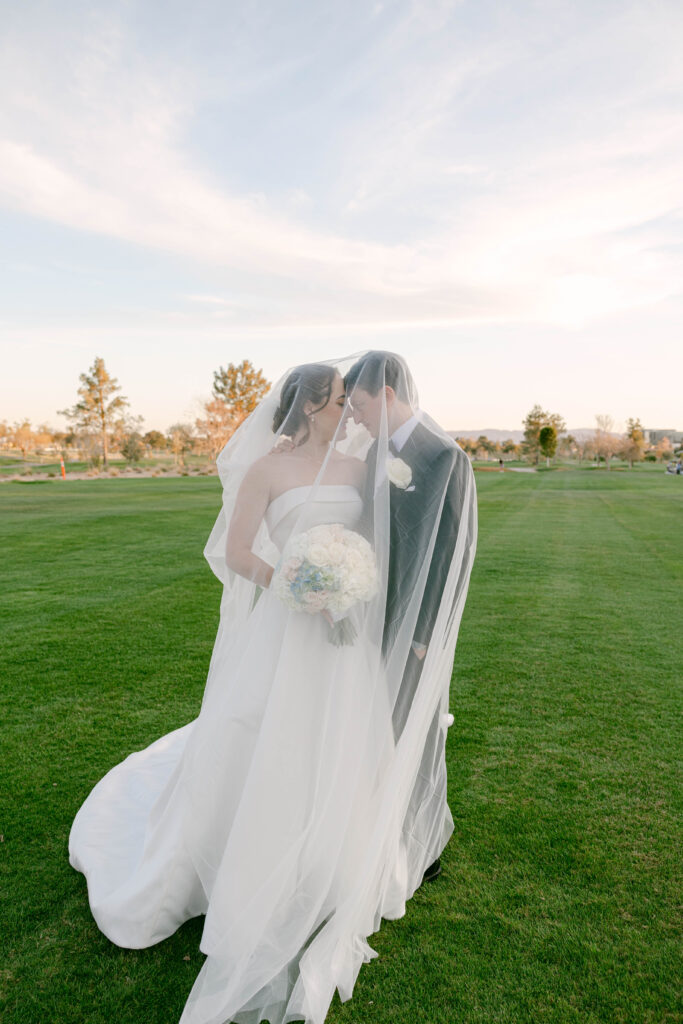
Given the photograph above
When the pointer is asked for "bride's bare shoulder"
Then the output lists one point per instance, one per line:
(356, 468)
(264, 469)
(277, 467)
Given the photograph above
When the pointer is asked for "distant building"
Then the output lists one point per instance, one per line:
(655, 436)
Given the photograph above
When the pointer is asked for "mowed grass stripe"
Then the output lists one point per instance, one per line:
(564, 794)
(558, 900)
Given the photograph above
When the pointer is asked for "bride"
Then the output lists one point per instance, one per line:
(290, 812)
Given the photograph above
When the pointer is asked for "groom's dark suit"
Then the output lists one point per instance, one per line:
(430, 500)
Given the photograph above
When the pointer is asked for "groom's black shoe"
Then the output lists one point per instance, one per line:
(432, 871)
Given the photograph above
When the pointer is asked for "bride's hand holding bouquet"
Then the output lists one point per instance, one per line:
(327, 569)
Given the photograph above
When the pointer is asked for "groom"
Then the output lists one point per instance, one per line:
(415, 511)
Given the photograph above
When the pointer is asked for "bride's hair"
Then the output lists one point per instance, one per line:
(311, 382)
(375, 369)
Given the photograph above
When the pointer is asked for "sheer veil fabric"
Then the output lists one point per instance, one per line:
(305, 801)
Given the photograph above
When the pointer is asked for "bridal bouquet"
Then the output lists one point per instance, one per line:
(327, 569)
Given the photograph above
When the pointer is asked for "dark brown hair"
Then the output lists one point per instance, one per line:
(374, 370)
(311, 382)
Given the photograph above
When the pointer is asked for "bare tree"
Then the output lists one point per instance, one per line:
(124, 427)
(588, 449)
(26, 438)
(664, 449)
(217, 425)
(568, 445)
(44, 436)
(88, 445)
(604, 440)
(180, 441)
(23, 437)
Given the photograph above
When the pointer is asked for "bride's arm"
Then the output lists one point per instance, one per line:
(250, 506)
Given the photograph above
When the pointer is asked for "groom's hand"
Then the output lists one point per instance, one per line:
(283, 444)
(419, 649)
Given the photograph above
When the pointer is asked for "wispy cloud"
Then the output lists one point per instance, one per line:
(440, 209)
(209, 300)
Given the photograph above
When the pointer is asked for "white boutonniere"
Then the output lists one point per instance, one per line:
(399, 472)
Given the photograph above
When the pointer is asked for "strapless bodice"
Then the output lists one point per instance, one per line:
(333, 503)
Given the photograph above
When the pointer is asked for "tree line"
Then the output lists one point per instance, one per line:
(545, 436)
(100, 423)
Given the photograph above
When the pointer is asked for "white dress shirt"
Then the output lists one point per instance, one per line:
(398, 439)
(402, 433)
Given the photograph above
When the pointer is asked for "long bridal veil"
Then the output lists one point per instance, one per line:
(307, 798)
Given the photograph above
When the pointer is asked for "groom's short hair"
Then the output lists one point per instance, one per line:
(376, 369)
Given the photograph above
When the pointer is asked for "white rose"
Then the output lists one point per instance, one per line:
(354, 560)
(337, 553)
(399, 472)
(317, 554)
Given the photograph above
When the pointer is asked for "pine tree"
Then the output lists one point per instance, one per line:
(237, 390)
(241, 387)
(99, 406)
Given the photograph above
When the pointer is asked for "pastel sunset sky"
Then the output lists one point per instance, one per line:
(492, 189)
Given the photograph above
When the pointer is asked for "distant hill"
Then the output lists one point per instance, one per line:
(583, 433)
(493, 435)
(580, 433)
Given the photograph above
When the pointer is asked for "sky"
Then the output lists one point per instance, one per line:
(492, 190)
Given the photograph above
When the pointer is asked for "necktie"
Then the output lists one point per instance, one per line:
(392, 448)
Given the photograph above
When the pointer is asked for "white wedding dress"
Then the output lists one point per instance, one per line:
(251, 814)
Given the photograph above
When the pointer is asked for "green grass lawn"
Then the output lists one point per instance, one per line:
(560, 895)
(39, 466)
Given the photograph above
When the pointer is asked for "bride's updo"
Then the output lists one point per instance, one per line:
(311, 382)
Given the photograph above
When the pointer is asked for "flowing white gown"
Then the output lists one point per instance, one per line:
(253, 814)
